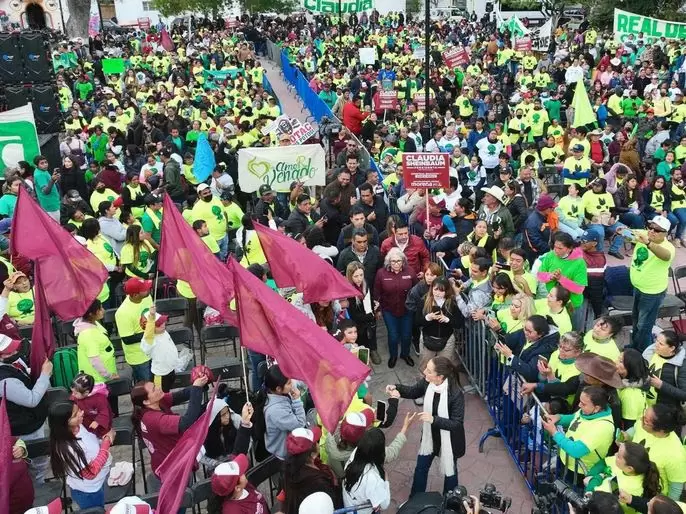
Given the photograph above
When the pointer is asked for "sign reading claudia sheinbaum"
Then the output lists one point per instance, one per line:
(279, 166)
(424, 170)
(629, 23)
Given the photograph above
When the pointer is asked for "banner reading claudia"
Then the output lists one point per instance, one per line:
(333, 6)
(423, 170)
(279, 166)
(627, 23)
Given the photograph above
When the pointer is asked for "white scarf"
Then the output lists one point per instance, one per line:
(427, 446)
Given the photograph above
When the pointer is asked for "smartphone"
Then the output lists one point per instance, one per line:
(543, 358)
(445, 266)
(381, 411)
(363, 355)
(503, 266)
(614, 486)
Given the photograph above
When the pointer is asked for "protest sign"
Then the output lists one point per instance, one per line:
(144, 23)
(367, 56)
(420, 99)
(523, 44)
(231, 23)
(334, 6)
(220, 75)
(419, 53)
(114, 65)
(299, 131)
(626, 23)
(454, 57)
(388, 100)
(423, 170)
(541, 38)
(18, 136)
(279, 166)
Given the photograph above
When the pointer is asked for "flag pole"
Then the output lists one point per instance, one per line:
(245, 373)
(157, 276)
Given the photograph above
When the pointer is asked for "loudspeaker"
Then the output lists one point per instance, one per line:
(50, 148)
(11, 66)
(16, 96)
(45, 108)
(34, 51)
(489, 6)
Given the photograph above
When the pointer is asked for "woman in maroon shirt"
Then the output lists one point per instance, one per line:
(391, 286)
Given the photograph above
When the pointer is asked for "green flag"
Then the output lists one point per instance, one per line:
(110, 66)
(18, 136)
(515, 27)
(221, 75)
(583, 112)
(66, 60)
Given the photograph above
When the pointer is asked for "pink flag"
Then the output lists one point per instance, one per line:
(295, 265)
(270, 325)
(184, 256)
(166, 41)
(5, 456)
(42, 336)
(72, 276)
(176, 469)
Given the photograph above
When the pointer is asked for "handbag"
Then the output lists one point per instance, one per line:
(434, 343)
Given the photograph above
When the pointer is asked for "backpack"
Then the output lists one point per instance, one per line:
(65, 367)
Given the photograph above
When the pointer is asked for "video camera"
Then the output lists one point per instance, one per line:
(453, 501)
(550, 493)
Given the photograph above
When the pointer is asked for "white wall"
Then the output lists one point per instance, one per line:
(128, 12)
(386, 6)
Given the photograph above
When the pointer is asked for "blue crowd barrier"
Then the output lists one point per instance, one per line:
(269, 89)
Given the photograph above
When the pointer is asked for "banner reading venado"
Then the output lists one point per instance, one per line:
(626, 23)
(18, 137)
(279, 166)
(332, 6)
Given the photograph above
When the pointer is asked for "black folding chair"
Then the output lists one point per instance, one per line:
(266, 471)
(56, 395)
(119, 387)
(124, 436)
(202, 491)
(183, 335)
(172, 306)
(51, 488)
(64, 331)
(212, 335)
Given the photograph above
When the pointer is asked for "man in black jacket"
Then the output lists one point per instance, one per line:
(361, 251)
(374, 208)
(357, 220)
(330, 210)
(302, 216)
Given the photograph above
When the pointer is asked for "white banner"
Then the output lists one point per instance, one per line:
(651, 29)
(541, 36)
(279, 166)
(299, 132)
(18, 137)
(367, 55)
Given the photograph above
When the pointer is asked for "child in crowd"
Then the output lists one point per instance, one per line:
(535, 415)
(160, 347)
(92, 399)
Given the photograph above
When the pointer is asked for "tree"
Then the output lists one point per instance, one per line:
(413, 6)
(79, 16)
(258, 6)
(553, 9)
(601, 14)
(175, 7)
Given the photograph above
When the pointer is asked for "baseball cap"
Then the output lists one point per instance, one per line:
(301, 440)
(545, 202)
(227, 475)
(118, 202)
(316, 503)
(662, 222)
(160, 319)
(202, 187)
(590, 236)
(266, 189)
(8, 345)
(54, 507)
(355, 424)
(578, 148)
(137, 286)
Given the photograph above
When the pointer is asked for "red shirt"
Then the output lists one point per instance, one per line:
(390, 289)
(160, 430)
(253, 503)
(353, 118)
(417, 255)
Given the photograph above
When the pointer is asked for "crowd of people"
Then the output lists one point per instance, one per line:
(505, 245)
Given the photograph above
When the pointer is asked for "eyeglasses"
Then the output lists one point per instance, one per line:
(656, 230)
(396, 261)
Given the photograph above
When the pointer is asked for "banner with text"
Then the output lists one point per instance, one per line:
(279, 166)
(388, 100)
(653, 29)
(523, 44)
(541, 36)
(423, 170)
(333, 6)
(454, 57)
(299, 132)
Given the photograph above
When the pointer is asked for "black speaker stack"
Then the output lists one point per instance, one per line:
(27, 75)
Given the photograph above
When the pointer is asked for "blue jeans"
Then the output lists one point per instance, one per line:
(399, 331)
(632, 220)
(575, 232)
(255, 359)
(421, 473)
(680, 214)
(141, 372)
(88, 500)
(223, 247)
(610, 230)
(646, 307)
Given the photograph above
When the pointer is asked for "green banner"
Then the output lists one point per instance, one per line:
(66, 60)
(332, 6)
(223, 74)
(110, 66)
(18, 137)
(627, 23)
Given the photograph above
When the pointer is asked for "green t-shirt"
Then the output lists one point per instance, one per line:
(84, 89)
(668, 454)
(607, 349)
(650, 274)
(573, 269)
(127, 318)
(7, 205)
(553, 107)
(93, 342)
(49, 202)
(152, 226)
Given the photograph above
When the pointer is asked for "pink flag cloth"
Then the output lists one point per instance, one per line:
(42, 335)
(270, 325)
(166, 41)
(184, 256)
(176, 468)
(5, 456)
(295, 265)
(72, 276)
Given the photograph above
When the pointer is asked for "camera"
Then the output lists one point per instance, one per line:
(490, 498)
(548, 494)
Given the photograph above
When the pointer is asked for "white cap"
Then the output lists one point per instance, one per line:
(202, 187)
(317, 503)
(661, 222)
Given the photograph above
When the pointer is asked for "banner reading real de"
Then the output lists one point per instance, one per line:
(627, 23)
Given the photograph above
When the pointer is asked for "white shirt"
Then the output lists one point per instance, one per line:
(218, 185)
(370, 487)
(163, 353)
(91, 447)
(489, 152)
(574, 74)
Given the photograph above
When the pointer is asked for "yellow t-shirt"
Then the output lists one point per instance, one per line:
(145, 259)
(668, 454)
(21, 307)
(649, 273)
(212, 213)
(127, 319)
(608, 349)
(561, 319)
(93, 342)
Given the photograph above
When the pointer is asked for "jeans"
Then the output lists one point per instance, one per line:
(255, 359)
(575, 232)
(141, 372)
(632, 220)
(421, 473)
(610, 230)
(399, 331)
(645, 312)
(223, 247)
(680, 214)
(579, 316)
(88, 500)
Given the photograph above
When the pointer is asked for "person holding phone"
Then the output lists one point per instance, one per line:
(666, 359)
(438, 319)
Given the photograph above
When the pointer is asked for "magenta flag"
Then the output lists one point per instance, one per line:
(184, 256)
(166, 41)
(295, 265)
(5, 456)
(72, 276)
(270, 325)
(42, 336)
(176, 469)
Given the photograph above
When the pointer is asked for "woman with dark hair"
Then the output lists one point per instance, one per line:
(634, 372)
(629, 203)
(249, 242)
(443, 421)
(365, 477)
(656, 201)
(77, 455)
(555, 307)
(314, 239)
(516, 203)
(229, 433)
(232, 493)
(137, 254)
(304, 472)
(438, 318)
(71, 177)
(361, 310)
(94, 348)
(99, 246)
(26, 174)
(133, 194)
(133, 160)
(155, 422)
(665, 358)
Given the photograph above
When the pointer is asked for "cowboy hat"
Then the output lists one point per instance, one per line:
(600, 368)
